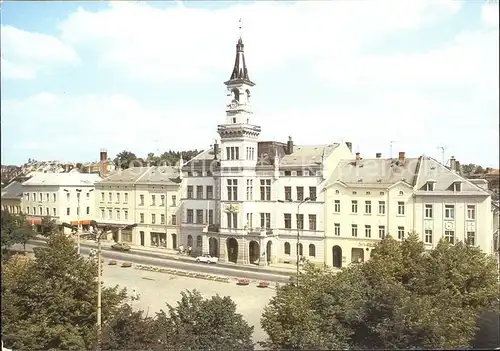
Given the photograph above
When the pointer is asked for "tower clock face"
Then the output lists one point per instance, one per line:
(234, 103)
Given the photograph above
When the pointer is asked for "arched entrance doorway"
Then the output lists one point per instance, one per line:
(174, 241)
(337, 256)
(254, 252)
(213, 247)
(269, 251)
(232, 250)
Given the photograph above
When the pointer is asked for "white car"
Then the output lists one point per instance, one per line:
(207, 259)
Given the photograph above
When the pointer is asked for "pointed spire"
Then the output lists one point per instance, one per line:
(240, 71)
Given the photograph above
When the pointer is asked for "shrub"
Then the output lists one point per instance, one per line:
(126, 264)
(112, 263)
(243, 281)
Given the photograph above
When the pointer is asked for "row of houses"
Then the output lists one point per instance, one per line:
(263, 202)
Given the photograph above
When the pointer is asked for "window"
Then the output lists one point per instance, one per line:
(449, 236)
(312, 193)
(401, 208)
(287, 248)
(47, 211)
(428, 236)
(354, 206)
(249, 189)
(118, 214)
(336, 229)
(162, 200)
(126, 198)
(190, 216)
(199, 241)
(141, 200)
(401, 233)
(265, 220)
(40, 197)
(368, 207)
(382, 193)
(210, 216)
(249, 220)
(288, 193)
(87, 195)
(337, 192)
(312, 222)
(428, 211)
(250, 152)
(199, 216)
(162, 219)
(300, 221)
(53, 197)
(368, 231)
(354, 192)
(337, 206)
(300, 192)
(77, 196)
(300, 249)
(288, 221)
(174, 200)
(34, 197)
(354, 230)
(34, 210)
(153, 218)
(141, 216)
(110, 197)
(117, 197)
(381, 207)
(210, 192)
(102, 213)
(265, 189)
(27, 195)
(233, 153)
(190, 192)
(47, 197)
(471, 238)
(232, 220)
(457, 186)
(110, 214)
(288, 173)
(68, 211)
(429, 186)
(153, 200)
(449, 211)
(54, 212)
(68, 196)
(299, 174)
(174, 219)
(471, 212)
(88, 210)
(312, 250)
(232, 189)
(199, 191)
(40, 211)
(401, 193)
(381, 231)
(125, 214)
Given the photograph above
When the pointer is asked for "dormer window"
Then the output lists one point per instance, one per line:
(457, 186)
(429, 186)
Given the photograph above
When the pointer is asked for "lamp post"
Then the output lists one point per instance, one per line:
(78, 195)
(298, 232)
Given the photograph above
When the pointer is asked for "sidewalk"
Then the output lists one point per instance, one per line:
(160, 252)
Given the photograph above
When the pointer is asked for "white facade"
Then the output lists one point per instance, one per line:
(240, 198)
(146, 196)
(64, 197)
(368, 199)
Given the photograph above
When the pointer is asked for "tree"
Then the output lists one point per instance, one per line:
(394, 300)
(15, 230)
(49, 226)
(209, 324)
(125, 159)
(51, 304)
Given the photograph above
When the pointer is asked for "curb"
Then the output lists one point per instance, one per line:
(183, 273)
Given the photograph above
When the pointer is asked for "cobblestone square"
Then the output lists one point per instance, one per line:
(156, 289)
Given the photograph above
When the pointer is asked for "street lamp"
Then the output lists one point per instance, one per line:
(298, 231)
(99, 281)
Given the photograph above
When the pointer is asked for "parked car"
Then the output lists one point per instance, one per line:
(120, 247)
(207, 259)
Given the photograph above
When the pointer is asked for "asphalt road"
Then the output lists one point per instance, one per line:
(174, 264)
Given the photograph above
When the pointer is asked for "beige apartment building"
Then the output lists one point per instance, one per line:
(12, 195)
(146, 196)
(369, 198)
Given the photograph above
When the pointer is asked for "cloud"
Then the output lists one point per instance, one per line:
(25, 54)
(181, 43)
(489, 13)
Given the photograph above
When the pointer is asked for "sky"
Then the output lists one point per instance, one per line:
(148, 77)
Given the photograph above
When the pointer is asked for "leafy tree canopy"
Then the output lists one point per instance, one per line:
(127, 159)
(50, 303)
(15, 230)
(403, 297)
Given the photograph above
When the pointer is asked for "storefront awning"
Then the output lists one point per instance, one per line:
(83, 222)
(33, 220)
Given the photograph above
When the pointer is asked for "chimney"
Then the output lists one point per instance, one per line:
(289, 146)
(401, 156)
(378, 155)
(216, 150)
(349, 145)
(357, 158)
(453, 164)
(103, 163)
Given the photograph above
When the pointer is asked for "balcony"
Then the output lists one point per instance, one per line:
(212, 228)
(259, 231)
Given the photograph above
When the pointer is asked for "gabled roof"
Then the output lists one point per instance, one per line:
(13, 191)
(375, 172)
(63, 179)
(203, 161)
(308, 155)
(144, 175)
(444, 179)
